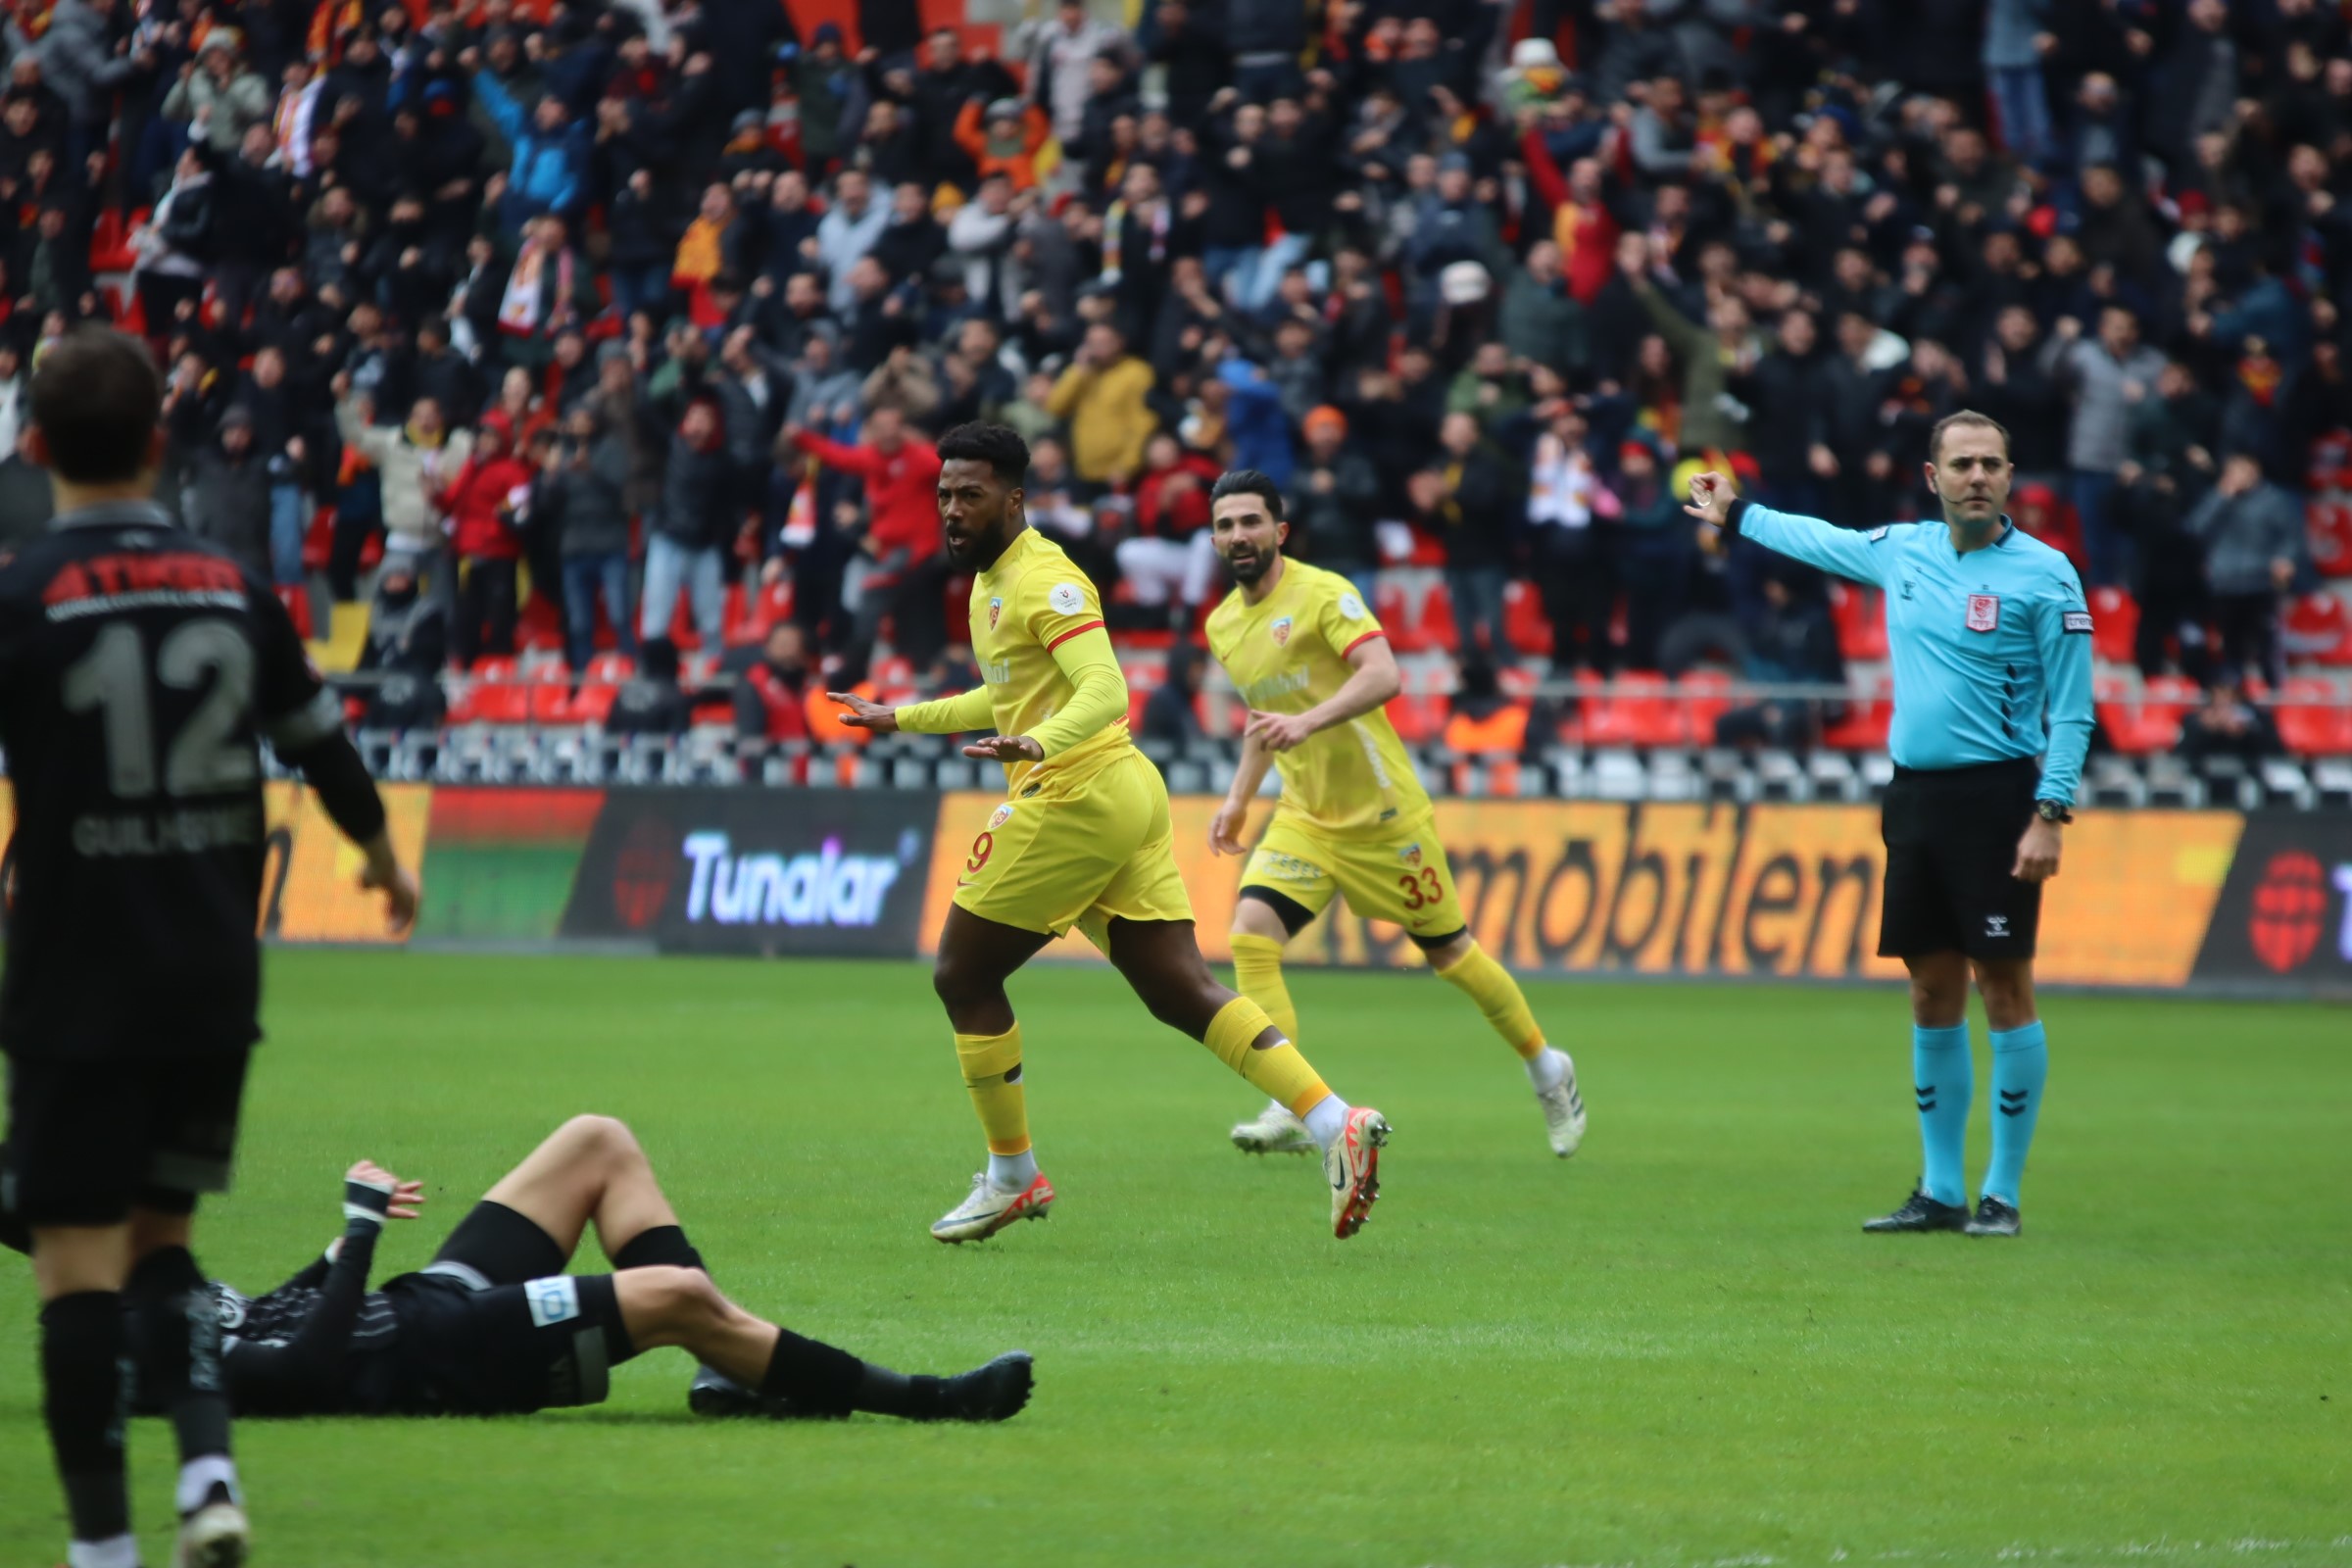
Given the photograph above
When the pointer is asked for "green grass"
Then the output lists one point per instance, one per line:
(1676, 1350)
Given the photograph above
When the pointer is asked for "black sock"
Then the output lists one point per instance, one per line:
(176, 1349)
(659, 1247)
(815, 1376)
(82, 1382)
(914, 1397)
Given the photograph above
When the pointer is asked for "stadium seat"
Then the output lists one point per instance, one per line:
(493, 702)
(1860, 615)
(2114, 624)
(1642, 712)
(1417, 718)
(2328, 524)
(493, 667)
(1706, 697)
(1523, 625)
(2319, 628)
(2314, 717)
(611, 668)
(1869, 715)
(2149, 721)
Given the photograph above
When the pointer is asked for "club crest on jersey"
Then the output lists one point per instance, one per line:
(996, 608)
(1282, 631)
(1983, 612)
(1411, 854)
(999, 817)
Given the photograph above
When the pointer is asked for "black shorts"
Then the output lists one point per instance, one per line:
(89, 1139)
(492, 1325)
(1951, 842)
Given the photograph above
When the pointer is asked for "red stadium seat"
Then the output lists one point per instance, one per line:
(1706, 698)
(1868, 717)
(2314, 717)
(2114, 624)
(1860, 615)
(611, 668)
(1641, 712)
(493, 703)
(2318, 627)
(2330, 526)
(1417, 719)
(1523, 625)
(492, 668)
(2149, 721)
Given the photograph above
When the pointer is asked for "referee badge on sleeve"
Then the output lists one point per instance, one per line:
(2077, 622)
(1983, 612)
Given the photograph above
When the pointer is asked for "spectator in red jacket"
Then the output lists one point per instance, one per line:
(898, 571)
(1171, 555)
(770, 696)
(481, 503)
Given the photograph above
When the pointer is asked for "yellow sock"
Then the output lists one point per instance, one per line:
(1279, 1073)
(1498, 997)
(991, 1071)
(1258, 975)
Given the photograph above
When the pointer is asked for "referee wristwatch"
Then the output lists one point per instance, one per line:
(2053, 812)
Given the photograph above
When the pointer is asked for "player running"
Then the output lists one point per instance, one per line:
(494, 1326)
(1314, 666)
(139, 669)
(1082, 839)
(1993, 714)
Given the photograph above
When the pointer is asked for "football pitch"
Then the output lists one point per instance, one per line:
(1674, 1350)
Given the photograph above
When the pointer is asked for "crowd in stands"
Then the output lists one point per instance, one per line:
(611, 328)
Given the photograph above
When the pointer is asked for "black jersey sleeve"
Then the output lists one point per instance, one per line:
(303, 1374)
(304, 723)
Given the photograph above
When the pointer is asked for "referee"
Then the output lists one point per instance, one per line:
(1991, 646)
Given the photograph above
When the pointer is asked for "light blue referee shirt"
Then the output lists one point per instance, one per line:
(1985, 645)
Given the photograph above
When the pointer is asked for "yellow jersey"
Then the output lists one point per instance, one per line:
(1029, 602)
(1290, 651)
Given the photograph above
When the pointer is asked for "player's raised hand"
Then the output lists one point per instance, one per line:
(864, 714)
(1225, 828)
(1005, 749)
(1711, 498)
(407, 1197)
(1278, 731)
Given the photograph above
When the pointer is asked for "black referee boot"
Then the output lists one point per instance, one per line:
(1920, 1213)
(1994, 1217)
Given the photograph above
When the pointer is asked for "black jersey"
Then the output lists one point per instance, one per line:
(139, 669)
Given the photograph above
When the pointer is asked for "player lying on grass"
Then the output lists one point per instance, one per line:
(1082, 839)
(1313, 664)
(492, 1325)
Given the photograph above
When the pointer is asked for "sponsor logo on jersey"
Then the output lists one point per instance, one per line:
(1066, 598)
(1877, 534)
(2076, 620)
(1983, 612)
(1350, 608)
(1411, 854)
(1282, 631)
(999, 817)
(996, 608)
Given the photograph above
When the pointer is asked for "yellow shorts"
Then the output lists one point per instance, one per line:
(1078, 852)
(1396, 873)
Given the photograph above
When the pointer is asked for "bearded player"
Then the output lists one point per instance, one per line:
(1083, 839)
(1353, 822)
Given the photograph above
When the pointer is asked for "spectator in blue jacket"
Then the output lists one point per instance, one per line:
(549, 155)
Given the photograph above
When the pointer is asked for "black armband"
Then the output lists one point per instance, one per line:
(1730, 522)
(333, 766)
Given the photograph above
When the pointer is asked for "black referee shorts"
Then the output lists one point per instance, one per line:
(89, 1139)
(1951, 840)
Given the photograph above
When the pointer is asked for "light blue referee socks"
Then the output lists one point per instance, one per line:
(2021, 1060)
(1946, 1081)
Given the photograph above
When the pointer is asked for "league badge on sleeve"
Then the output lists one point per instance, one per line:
(1065, 599)
(1350, 608)
(1282, 631)
(1983, 612)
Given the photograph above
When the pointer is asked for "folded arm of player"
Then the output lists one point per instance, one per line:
(1375, 681)
(1843, 551)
